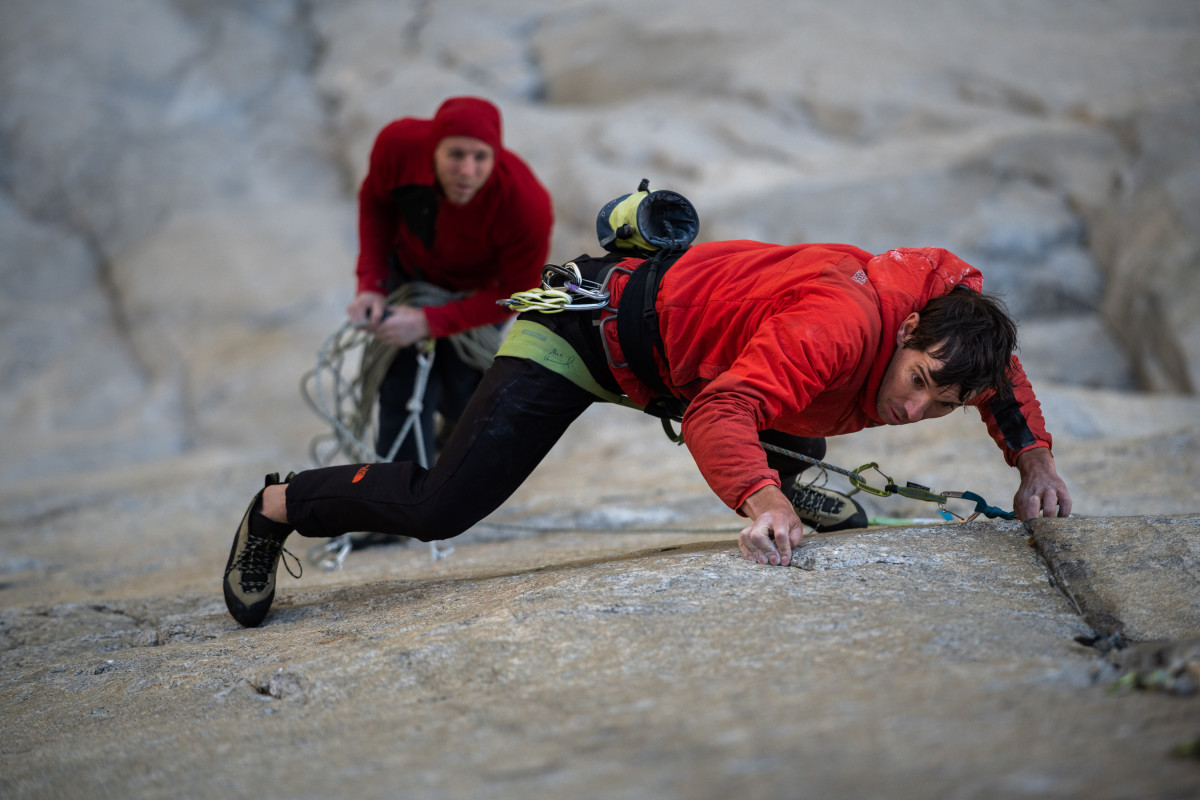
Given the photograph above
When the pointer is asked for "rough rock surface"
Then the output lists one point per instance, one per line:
(1136, 576)
(177, 209)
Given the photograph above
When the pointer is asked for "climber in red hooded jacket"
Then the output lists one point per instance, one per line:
(443, 203)
(795, 339)
(805, 341)
(809, 340)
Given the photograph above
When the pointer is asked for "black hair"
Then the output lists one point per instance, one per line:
(974, 337)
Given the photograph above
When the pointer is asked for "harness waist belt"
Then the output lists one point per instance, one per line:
(534, 341)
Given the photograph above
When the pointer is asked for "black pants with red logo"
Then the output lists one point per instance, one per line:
(515, 417)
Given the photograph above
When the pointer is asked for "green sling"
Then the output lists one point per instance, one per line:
(542, 345)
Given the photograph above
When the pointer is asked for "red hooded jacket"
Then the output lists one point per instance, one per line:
(796, 339)
(494, 245)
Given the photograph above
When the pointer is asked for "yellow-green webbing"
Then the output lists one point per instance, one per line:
(538, 343)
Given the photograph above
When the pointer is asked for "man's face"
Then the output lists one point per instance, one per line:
(462, 166)
(907, 394)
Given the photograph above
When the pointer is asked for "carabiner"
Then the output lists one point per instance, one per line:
(859, 482)
(981, 507)
(330, 555)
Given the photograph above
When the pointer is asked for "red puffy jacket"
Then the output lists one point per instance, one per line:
(491, 247)
(796, 339)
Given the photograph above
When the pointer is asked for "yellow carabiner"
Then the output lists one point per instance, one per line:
(859, 482)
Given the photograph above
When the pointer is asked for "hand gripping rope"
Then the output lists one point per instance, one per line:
(346, 399)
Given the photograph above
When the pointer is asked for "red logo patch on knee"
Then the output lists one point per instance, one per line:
(358, 476)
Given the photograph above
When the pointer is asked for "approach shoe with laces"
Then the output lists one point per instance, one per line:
(823, 509)
(254, 559)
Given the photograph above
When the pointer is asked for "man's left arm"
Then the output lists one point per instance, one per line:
(1042, 491)
(1016, 423)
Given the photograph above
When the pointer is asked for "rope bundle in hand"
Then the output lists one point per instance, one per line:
(346, 401)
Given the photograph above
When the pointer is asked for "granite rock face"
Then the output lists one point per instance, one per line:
(177, 207)
(1135, 576)
(891, 662)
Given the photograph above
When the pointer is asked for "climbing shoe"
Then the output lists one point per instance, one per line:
(253, 561)
(823, 509)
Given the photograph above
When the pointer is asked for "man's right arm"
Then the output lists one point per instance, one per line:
(775, 530)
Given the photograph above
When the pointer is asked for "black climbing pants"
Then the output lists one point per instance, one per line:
(519, 411)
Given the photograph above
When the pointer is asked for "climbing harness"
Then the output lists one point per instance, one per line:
(660, 226)
(657, 227)
(535, 342)
(345, 399)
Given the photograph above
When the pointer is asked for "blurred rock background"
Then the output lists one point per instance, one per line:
(177, 179)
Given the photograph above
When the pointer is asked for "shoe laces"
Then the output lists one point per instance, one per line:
(258, 560)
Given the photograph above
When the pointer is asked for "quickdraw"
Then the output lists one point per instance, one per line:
(913, 491)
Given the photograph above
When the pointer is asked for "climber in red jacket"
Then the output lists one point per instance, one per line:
(443, 203)
(749, 340)
(809, 340)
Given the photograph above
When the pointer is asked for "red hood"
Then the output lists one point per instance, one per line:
(905, 280)
(458, 116)
(468, 116)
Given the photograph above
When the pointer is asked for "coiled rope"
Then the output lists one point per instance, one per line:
(345, 398)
